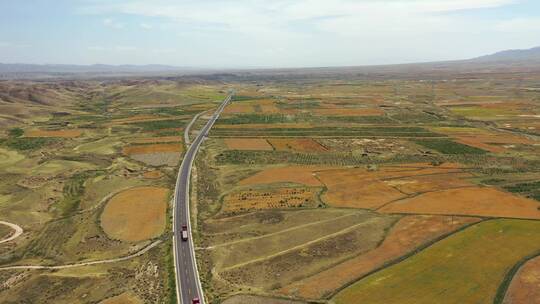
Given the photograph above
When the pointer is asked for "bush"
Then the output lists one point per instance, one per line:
(28, 144)
(15, 132)
(447, 146)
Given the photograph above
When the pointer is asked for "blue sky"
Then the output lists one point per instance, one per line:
(262, 33)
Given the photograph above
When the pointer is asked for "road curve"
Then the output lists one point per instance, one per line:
(188, 284)
(17, 232)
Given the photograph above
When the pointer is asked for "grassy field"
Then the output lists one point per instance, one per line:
(64, 178)
(465, 268)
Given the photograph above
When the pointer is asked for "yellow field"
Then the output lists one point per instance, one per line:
(248, 144)
(467, 267)
(155, 140)
(53, 133)
(271, 199)
(297, 144)
(478, 201)
(136, 214)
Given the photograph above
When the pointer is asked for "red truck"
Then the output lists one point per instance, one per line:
(184, 233)
(196, 301)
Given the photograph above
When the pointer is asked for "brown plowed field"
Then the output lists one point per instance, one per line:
(272, 199)
(155, 140)
(406, 235)
(525, 286)
(304, 175)
(360, 188)
(136, 214)
(476, 201)
(53, 133)
(153, 174)
(426, 183)
(298, 144)
(248, 144)
(236, 108)
(150, 149)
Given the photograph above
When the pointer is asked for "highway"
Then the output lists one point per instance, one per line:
(188, 285)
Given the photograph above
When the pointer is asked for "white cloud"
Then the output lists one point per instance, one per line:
(108, 22)
(7, 44)
(146, 26)
(519, 25)
(117, 48)
(320, 32)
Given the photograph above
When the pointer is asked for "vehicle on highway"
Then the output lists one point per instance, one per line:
(196, 301)
(184, 233)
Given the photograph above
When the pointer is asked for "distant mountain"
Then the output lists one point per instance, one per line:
(67, 68)
(512, 55)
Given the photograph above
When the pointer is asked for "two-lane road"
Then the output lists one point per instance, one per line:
(188, 285)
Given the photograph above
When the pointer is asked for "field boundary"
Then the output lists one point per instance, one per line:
(509, 277)
(331, 235)
(404, 257)
(277, 232)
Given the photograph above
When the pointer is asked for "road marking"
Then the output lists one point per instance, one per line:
(183, 180)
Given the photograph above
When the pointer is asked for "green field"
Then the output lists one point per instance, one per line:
(467, 267)
(447, 146)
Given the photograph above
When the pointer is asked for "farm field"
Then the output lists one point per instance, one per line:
(88, 175)
(525, 286)
(136, 214)
(324, 188)
(473, 262)
(402, 172)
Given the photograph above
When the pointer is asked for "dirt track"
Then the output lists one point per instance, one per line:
(134, 255)
(18, 231)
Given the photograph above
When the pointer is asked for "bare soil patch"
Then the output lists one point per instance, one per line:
(525, 286)
(239, 108)
(156, 174)
(297, 144)
(136, 214)
(248, 144)
(476, 201)
(53, 133)
(371, 189)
